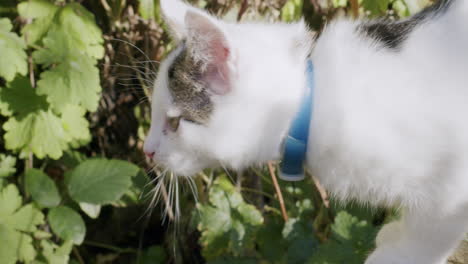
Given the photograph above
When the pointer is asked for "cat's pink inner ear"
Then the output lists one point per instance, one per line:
(208, 43)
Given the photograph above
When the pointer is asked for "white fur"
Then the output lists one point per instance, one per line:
(389, 127)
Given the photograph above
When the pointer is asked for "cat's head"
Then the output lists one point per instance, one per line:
(219, 96)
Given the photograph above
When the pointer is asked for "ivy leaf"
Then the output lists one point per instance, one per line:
(228, 225)
(15, 224)
(100, 181)
(39, 132)
(67, 224)
(42, 189)
(7, 165)
(14, 59)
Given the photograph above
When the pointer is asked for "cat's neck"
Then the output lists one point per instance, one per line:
(269, 86)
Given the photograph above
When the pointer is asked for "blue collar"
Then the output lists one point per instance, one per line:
(295, 144)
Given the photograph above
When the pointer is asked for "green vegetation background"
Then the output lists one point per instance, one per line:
(74, 184)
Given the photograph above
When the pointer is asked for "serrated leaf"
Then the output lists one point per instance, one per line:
(39, 132)
(10, 201)
(20, 98)
(36, 9)
(14, 59)
(67, 224)
(228, 225)
(92, 210)
(79, 24)
(35, 31)
(302, 241)
(100, 181)
(15, 246)
(42, 189)
(75, 124)
(7, 165)
(56, 254)
(15, 223)
(271, 244)
(351, 242)
(14, 216)
(75, 78)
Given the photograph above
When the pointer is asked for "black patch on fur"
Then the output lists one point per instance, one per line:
(392, 34)
(188, 91)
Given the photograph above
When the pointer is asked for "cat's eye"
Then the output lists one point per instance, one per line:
(173, 123)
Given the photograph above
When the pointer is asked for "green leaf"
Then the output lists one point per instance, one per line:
(15, 246)
(339, 3)
(100, 181)
(14, 59)
(15, 224)
(92, 210)
(272, 245)
(73, 80)
(36, 9)
(67, 224)
(42, 189)
(302, 242)
(401, 8)
(351, 242)
(20, 98)
(74, 123)
(146, 8)
(7, 165)
(376, 7)
(39, 132)
(154, 255)
(55, 254)
(227, 224)
(79, 25)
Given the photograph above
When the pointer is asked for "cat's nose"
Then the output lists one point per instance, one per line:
(149, 154)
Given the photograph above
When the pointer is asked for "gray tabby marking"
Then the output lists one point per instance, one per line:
(392, 34)
(187, 89)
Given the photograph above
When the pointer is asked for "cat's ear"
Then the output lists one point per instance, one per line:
(174, 12)
(208, 44)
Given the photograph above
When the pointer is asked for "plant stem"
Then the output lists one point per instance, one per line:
(271, 168)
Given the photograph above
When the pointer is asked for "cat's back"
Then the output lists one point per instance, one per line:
(390, 104)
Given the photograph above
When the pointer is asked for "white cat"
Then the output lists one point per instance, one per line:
(389, 125)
